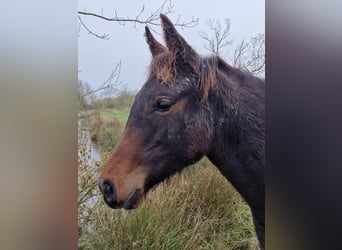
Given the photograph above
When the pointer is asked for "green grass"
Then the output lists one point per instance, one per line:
(121, 116)
(105, 126)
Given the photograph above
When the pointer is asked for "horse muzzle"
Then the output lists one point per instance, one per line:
(110, 196)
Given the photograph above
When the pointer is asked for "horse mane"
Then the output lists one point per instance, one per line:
(165, 66)
(207, 76)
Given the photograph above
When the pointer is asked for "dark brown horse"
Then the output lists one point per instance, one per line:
(188, 108)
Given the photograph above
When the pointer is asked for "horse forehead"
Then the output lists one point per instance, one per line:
(153, 86)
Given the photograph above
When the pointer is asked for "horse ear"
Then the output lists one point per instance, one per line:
(155, 47)
(175, 42)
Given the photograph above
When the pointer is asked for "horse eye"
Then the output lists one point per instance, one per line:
(163, 105)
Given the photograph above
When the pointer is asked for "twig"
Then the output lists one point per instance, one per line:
(104, 36)
(151, 20)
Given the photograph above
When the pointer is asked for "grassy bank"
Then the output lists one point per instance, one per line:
(105, 126)
(111, 114)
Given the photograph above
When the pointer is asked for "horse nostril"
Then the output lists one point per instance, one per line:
(108, 190)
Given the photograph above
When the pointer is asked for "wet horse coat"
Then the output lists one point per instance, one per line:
(188, 108)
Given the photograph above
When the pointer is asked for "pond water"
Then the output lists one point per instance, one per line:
(92, 157)
(84, 139)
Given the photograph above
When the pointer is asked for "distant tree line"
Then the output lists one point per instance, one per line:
(121, 100)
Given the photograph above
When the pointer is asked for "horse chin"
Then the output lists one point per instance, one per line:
(134, 200)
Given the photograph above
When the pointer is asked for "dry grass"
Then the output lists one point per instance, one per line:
(105, 127)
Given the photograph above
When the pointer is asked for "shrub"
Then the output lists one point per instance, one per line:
(87, 187)
(103, 132)
(109, 133)
(95, 124)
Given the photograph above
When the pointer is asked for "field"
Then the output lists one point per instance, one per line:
(121, 116)
(197, 209)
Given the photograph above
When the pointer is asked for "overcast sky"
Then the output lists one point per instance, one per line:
(97, 58)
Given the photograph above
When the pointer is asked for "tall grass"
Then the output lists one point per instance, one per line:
(108, 134)
(105, 127)
(121, 116)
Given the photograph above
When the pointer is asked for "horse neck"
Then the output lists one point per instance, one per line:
(237, 147)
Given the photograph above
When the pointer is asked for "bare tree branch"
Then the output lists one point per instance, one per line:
(110, 82)
(152, 19)
(251, 55)
(104, 36)
(239, 53)
(219, 38)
